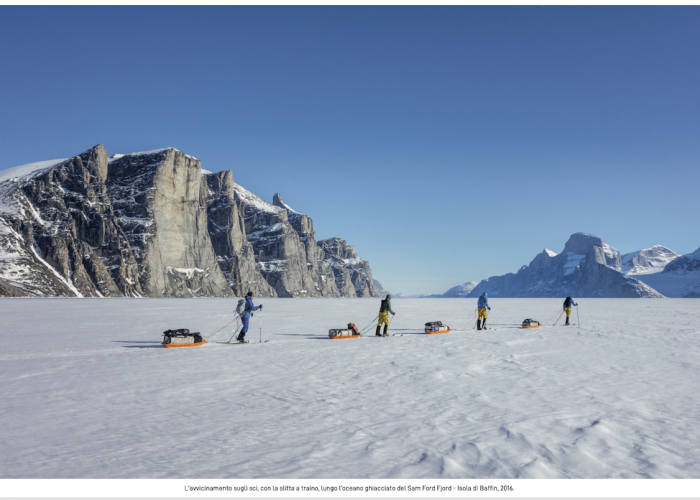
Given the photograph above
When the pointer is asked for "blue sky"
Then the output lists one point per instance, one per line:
(448, 144)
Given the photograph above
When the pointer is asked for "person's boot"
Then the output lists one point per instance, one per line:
(386, 327)
(379, 330)
(241, 338)
(483, 324)
(478, 324)
(567, 321)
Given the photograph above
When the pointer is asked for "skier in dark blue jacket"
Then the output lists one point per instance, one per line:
(249, 308)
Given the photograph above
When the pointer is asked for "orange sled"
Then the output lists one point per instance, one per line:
(351, 332)
(531, 323)
(435, 333)
(184, 345)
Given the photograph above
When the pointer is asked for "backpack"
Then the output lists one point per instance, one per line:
(567, 302)
(240, 307)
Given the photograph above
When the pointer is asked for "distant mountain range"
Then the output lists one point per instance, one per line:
(589, 267)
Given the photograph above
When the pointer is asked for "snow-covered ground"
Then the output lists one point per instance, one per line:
(88, 392)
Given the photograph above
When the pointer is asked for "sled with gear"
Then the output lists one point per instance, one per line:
(435, 327)
(531, 323)
(351, 332)
(182, 338)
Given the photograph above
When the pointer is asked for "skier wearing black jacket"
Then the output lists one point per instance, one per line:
(568, 302)
(384, 311)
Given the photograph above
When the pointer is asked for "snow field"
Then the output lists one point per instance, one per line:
(88, 392)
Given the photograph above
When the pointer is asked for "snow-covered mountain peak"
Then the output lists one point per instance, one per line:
(550, 253)
(461, 290)
(648, 261)
(254, 200)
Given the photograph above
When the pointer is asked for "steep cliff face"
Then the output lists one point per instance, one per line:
(588, 267)
(158, 195)
(71, 243)
(353, 275)
(235, 255)
(319, 270)
(282, 250)
(92, 227)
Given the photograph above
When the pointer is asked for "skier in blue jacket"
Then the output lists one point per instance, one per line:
(482, 304)
(249, 308)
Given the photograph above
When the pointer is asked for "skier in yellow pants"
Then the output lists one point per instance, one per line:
(384, 311)
(482, 305)
(568, 302)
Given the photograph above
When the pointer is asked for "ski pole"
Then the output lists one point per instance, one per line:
(235, 330)
(260, 325)
(562, 312)
(578, 318)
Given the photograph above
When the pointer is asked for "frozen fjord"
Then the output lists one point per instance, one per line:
(88, 392)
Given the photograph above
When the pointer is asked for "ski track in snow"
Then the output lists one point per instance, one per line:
(88, 392)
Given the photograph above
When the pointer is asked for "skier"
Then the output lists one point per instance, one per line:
(384, 311)
(567, 307)
(249, 308)
(482, 304)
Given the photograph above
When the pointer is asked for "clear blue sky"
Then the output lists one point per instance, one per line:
(448, 144)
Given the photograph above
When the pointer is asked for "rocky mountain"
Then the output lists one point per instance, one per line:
(150, 224)
(647, 261)
(679, 278)
(285, 248)
(587, 267)
(352, 274)
(234, 253)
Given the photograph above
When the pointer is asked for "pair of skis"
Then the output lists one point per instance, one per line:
(247, 342)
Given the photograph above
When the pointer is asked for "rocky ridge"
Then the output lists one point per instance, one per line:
(647, 261)
(352, 274)
(680, 278)
(150, 224)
